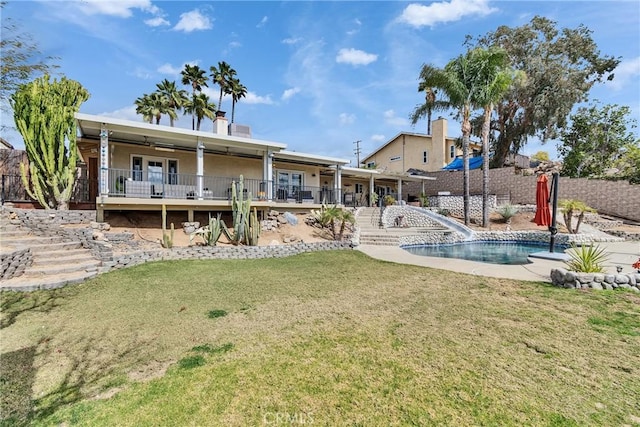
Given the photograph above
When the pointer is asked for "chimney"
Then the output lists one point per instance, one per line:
(221, 125)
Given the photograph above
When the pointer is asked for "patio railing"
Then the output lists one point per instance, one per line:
(143, 184)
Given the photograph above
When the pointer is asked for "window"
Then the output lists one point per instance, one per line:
(371, 165)
(425, 157)
(154, 171)
(452, 151)
(136, 163)
(172, 167)
(395, 158)
(289, 184)
(359, 188)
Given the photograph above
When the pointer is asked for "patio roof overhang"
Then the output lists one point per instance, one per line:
(145, 134)
(368, 173)
(296, 157)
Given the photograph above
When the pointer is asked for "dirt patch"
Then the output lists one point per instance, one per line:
(147, 227)
(521, 221)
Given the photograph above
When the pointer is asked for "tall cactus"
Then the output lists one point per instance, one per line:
(44, 115)
(246, 228)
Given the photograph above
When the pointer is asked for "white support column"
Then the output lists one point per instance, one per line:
(200, 169)
(104, 161)
(267, 173)
(372, 190)
(399, 190)
(338, 186)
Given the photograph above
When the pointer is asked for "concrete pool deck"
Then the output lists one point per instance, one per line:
(620, 253)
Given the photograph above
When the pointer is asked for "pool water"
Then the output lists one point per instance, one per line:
(512, 253)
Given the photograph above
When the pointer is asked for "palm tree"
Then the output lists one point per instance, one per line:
(431, 104)
(153, 106)
(195, 77)
(237, 90)
(200, 107)
(222, 76)
(495, 79)
(457, 82)
(176, 97)
(143, 107)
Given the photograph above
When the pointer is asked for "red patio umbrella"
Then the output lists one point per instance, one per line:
(543, 214)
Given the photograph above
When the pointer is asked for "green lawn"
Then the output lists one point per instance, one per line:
(330, 338)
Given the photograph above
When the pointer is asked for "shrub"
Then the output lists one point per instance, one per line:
(389, 200)
(507, 212)
(587, 259)
(444, 211)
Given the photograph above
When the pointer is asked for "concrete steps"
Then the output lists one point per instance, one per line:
(56, 262)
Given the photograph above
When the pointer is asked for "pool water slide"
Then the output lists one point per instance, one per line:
(447, 222)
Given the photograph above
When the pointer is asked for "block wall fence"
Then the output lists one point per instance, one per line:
(617, 198)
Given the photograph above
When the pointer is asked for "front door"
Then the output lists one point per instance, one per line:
(93, 179)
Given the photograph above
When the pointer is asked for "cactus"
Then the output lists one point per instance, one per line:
(246, 229)
(167, 240)
(44, 115)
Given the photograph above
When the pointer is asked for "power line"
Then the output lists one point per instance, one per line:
(357, 152)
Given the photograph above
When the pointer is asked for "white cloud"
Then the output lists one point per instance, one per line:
(262, 22)
(292, 40)
(378, 138)
(169, 69)
(355, 57)
(234, 45)
(624, 73)
(390, 118)
(192, 21)
(141, 73)
(252, 98)
(420, 15)
(156, 22)
(125, 113)
(358, 24)
(289, 93)
(121, 8)
(346, 119)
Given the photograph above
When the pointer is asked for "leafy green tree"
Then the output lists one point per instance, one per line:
(596, 139)
(20, 61)
(201, 107)
(43, 111)
(541, 156)
(152, 106)
(222, 76)
(237, 90)
(144, 108)
(560, 66)
(175, 97)
(194, 76)
(494, 77)
(629, 163)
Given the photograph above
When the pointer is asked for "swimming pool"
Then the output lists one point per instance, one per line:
(512, 253)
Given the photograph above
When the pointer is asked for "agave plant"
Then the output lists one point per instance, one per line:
(587, 259)
(507, 212)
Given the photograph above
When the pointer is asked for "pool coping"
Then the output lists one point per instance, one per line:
(620, 254)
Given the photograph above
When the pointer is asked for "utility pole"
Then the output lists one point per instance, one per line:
(357, 152)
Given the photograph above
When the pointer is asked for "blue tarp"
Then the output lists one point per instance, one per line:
(456, 165)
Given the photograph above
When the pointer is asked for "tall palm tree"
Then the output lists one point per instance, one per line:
(200, 107)
(237, 90)
(176, 97)
(494, 82)
(194, 76)
(431, 104)
(222, 76)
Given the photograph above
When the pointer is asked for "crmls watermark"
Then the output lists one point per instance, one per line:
(287, 418)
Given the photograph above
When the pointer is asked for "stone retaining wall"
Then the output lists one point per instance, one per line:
(42, 217)
(455, 204)
(14, 262)
(570, 279)
(410, 218)
(215, 252)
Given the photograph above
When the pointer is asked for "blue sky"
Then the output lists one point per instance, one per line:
(320, 74)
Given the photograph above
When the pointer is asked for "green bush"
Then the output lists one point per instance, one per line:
(586, 259)
(507, 212)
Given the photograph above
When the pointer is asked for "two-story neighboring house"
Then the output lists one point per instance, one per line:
(417, 151)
